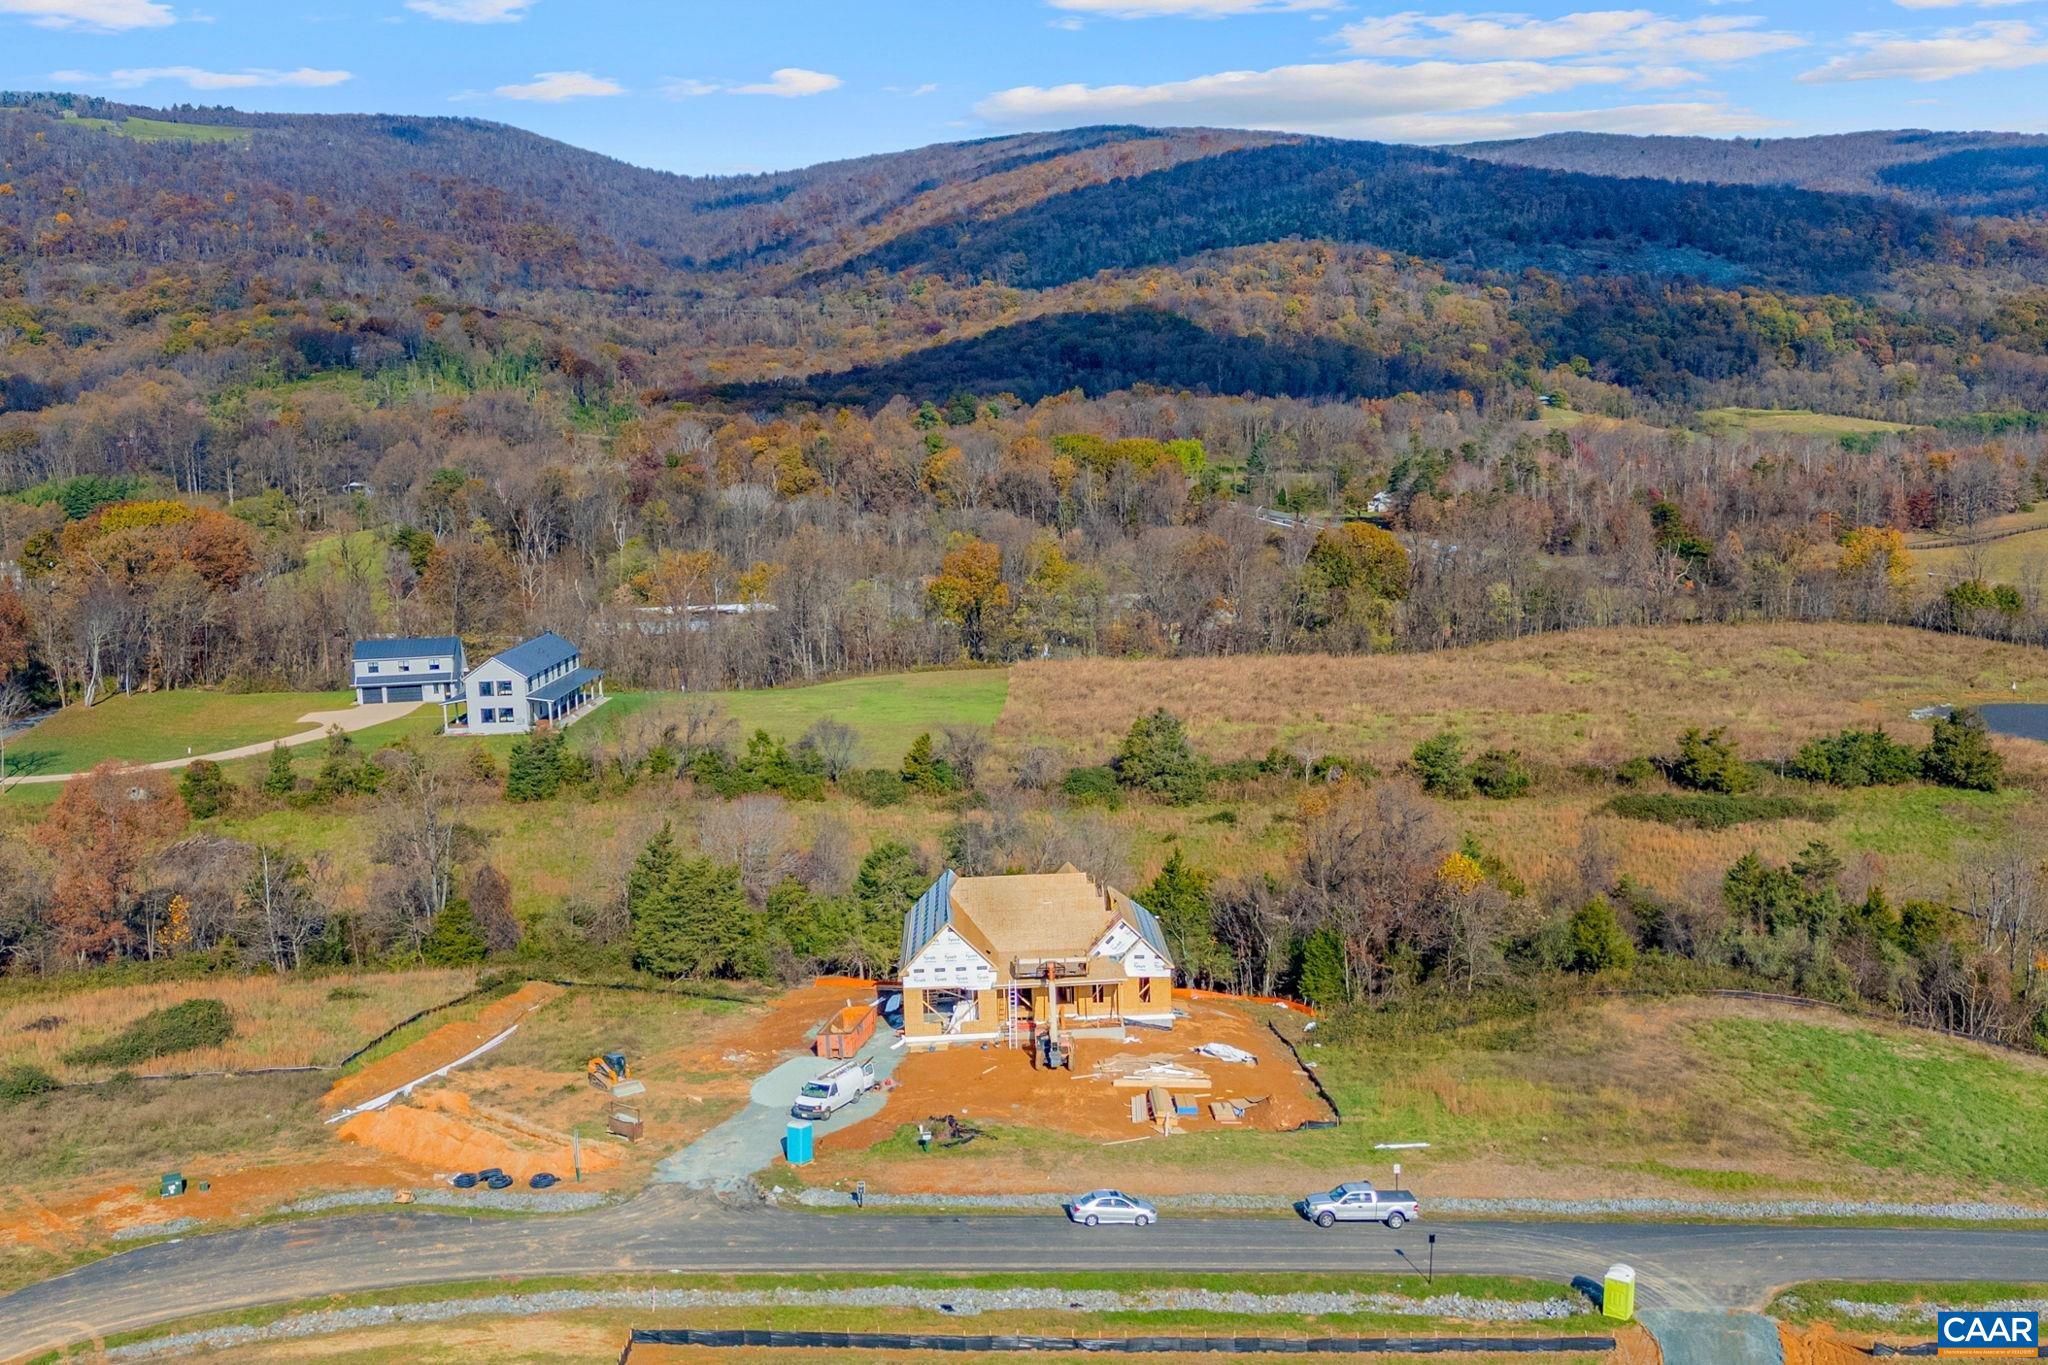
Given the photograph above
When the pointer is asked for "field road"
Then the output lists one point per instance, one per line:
(349, 719)
(669, 1228)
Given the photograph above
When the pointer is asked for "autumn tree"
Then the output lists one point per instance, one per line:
(490, 907)
(969, 591)
(471, 585)
(16, 631)
(1352, 577)
(1876, 570)
(101, 834)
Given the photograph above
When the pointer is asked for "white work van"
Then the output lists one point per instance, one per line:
(833, 1091)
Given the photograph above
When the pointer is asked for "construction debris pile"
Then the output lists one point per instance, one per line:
(1170, 1090)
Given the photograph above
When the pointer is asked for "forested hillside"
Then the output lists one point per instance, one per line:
(1431, 204)
(269, 383)
(1941, 170)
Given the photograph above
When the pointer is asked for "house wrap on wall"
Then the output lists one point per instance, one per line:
(1018, 958)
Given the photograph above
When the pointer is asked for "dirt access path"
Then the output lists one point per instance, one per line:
(445, 1045)
(348, 720)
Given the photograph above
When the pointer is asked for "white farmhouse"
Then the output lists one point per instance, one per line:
(408, 670)
(540, 682)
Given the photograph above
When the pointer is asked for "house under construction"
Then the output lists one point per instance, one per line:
(1029, 961)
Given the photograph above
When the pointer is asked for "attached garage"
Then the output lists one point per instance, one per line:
(413, 693)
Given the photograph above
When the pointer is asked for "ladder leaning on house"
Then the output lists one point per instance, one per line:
(1012, 1006)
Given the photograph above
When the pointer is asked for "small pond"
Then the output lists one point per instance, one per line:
(2020, 719)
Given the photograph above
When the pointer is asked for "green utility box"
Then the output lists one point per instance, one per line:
(172, 1185)
(1618, 1299)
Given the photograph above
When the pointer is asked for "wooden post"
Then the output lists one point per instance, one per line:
(576, 1155)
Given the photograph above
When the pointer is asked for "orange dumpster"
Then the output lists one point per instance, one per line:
(845, 1032)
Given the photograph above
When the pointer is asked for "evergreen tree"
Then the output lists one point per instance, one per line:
(1155, 757)
(1500, 774)
(1959, 754)
(1440, 764)
(1709, 763)
(345, 771)
(280, 778)
(453, 940)
(651, 871)
(923, 770)
(1180, 897)
(1321, 976)
(205, 790)
(699, 924)
(1594, 939)
(890, 880)
(533, 773)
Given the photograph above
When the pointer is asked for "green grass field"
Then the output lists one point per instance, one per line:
(889, 711)
(1795, 422)
(1892, 1103)
(332, 556)
(157, 130)
(2009, 549)
(151, 727)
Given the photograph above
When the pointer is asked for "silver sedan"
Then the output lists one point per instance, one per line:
(1111, 1206)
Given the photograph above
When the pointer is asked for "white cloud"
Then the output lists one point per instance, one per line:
(789, 82)
(1344, 98)
(1605, 34)
(1187, 9)
(552, 87)
(2003, 45)
(98, 16)
(473, 11)
(198, 78)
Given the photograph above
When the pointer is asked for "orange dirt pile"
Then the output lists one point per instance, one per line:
(1635, 1346)
(999, 1085)
(444, 1045)
(61, 1224)
(752, 1040)
(443, 1133)
(1819, 1345)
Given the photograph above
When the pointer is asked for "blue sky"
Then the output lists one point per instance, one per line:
(694, 86)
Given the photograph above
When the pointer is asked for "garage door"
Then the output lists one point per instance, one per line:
(414, 693)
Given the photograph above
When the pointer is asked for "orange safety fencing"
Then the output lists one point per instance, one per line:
(1195, 993)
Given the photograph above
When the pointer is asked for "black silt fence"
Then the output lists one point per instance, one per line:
(1134, 1345)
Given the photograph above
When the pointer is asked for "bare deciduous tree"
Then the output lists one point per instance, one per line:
(755, 834)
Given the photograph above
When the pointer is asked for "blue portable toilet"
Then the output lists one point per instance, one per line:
(796, 1142)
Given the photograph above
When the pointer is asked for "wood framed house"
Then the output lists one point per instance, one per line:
(428, 669)
(539, 682)
(1018, 959)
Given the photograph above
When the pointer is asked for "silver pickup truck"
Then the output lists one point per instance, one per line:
(1358, 1202)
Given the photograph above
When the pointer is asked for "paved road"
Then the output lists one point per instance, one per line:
(349, 720)
(670, 1228)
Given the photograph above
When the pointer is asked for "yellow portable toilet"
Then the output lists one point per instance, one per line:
(1618, 1297)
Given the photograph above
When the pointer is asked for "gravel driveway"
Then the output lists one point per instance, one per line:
(724, 1157)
